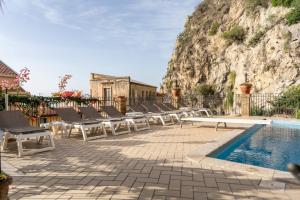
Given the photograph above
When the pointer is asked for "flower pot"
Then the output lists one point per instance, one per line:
(4, 187)
(176, 92)
(245, 88)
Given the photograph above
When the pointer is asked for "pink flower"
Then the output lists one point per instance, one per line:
(63, 81)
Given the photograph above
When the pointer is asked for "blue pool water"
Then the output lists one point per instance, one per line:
(265, 146)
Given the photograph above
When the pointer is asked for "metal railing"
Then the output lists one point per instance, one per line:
(42, 109)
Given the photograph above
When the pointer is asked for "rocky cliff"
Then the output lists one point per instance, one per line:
(225, 39)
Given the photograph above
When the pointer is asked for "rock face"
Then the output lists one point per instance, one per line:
(269, 53)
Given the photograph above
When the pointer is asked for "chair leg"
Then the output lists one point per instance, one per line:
(104, 130)
(20, 145)
(4, 141)
(52, 141)
(162, 120)
(128, 126)
(112, 127)
(83, 133)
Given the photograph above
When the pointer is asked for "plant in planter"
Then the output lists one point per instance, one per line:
(246, 88)
(5, 181)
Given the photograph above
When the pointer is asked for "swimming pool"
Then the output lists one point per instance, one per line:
(265, 146)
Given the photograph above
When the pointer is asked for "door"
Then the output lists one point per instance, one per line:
(107, 96)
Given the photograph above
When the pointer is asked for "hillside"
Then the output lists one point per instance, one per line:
(225, 39)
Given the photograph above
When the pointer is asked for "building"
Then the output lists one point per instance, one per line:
(9, 75)
(107, 87)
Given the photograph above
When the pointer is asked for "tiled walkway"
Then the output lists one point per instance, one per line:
(147, 165)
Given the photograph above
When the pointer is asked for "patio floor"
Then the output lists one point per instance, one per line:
(147, 165)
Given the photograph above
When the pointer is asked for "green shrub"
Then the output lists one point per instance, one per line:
(256, 38)
(232, 78)
(235, 34)
(286, 3)
(251, 5)
(289, 99)
(293, 17)
(229, 99)
(287, 39)
(297, 114)
(205, 89)
(257, 111)
(296, 4)
(214, 28)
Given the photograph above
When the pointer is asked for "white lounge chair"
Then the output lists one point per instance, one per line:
(135, 120)
(113, 124)
(14, 124)
(71, 119)
(164, 118)
(225, 121)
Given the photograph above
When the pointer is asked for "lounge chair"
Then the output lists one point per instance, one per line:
(173, 113)
(133, 120)
(225, 121)
(197, 112)
(14, 124)
(71, 119)
(112, 123)
(138, 109)
(156, 114)
(185, 113)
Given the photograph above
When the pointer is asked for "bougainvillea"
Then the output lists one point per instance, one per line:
(22, 77)
(63, 81)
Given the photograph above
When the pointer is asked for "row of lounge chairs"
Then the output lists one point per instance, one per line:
(90, 123)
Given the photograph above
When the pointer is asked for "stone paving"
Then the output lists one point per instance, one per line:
(147, 165)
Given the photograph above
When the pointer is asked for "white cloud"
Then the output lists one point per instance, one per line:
(142, 22)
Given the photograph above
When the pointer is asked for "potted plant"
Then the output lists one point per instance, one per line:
(5, 181)
(246, 88)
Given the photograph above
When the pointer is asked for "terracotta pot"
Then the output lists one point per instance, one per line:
(176, 92)
(4, 187)
(245, 89)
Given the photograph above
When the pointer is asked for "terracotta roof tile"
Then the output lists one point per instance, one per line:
(5, 70)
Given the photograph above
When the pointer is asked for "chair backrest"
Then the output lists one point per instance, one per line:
(68, 114)
(169, 105)
(90, 113)
(112, 112)
(137, 108)
(163, 107)
(13, 119)
(152, 108)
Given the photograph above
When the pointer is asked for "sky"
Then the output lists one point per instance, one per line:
(116, 37)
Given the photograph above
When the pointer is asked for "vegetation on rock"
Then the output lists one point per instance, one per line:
(257, 38)
(287, 39)
(293, 16)
(251, 5)
(205, 89)
(236, 34)
(214, 28)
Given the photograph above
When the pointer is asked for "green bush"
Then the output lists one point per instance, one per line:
(205, 89)
(214, 28)
(287, 39)
(257, 111)
(286, 3)
(235, 34)
(293, 17)
(229, 99)
(289, 99)
(297, 114)
(251, 5)
(256, 38)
